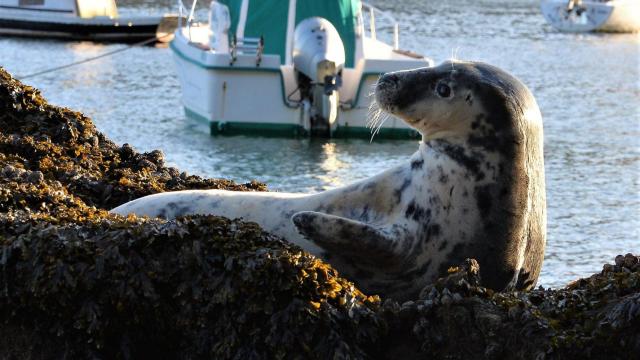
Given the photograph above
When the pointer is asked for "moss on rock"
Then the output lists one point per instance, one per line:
(78, 282)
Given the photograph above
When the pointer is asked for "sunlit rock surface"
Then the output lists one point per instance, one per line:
(78, 282)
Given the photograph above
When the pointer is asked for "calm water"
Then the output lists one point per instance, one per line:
(587, 86)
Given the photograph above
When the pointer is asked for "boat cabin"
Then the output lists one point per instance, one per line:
(272, 21)
(80, 8)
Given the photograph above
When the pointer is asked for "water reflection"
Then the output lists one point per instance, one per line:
(331, 165)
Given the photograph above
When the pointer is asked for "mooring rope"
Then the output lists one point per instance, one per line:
(109, 53)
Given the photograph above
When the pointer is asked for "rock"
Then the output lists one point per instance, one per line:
(10, 172)
(78, 282)
(630, 261)
(126, 151)
(619, 260)
(144, 163)
(157, 157)
(35, 177)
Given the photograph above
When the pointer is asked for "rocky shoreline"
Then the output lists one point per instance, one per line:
(78, 282)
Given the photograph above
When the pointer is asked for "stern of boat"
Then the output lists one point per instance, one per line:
(231, 84)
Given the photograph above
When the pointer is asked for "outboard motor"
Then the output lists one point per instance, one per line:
(318, 58)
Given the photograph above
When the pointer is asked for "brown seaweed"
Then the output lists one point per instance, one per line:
(78, 282)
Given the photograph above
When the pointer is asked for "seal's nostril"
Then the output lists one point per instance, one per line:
(388, 80)
(392, 79)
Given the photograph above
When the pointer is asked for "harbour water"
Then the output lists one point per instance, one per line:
(587, 86)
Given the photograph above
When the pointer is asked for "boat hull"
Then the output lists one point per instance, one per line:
(614, 16)
(92, 32)
(225, 128)
(47, 24)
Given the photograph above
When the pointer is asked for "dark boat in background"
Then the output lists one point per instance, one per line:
(95, 20)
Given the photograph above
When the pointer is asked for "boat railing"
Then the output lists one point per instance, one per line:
(182, 10)
(371, 12)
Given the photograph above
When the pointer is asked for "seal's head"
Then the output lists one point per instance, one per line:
(465, 100)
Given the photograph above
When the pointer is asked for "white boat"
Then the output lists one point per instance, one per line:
(287, 67)
(80, 20)
(593, 15)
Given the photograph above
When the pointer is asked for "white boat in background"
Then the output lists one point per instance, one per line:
(593, 15)
(287, 67)
(80, 20)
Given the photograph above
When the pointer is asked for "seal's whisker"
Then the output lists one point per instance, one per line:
(372, 91)
(373, 107)
(383, 117)
(454, 57)
(373, 114)
(374, 123)
(375, 84)
(375, 120)
(374, 111)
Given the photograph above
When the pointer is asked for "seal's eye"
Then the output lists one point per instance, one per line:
(443, 90)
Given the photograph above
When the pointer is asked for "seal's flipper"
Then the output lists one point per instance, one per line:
(346, 237)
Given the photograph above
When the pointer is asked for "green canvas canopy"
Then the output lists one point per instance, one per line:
(268, 18)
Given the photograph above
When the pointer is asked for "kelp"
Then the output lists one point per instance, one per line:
(78, 282)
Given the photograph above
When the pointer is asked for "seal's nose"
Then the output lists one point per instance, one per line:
(387, 90)
(388, 80)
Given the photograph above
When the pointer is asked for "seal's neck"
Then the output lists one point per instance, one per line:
(458, 162)
(475, 158)
(504, 172)
(479, 141)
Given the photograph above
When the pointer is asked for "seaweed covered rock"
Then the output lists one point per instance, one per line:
(78, 282)
(43, 145)
(194, 288)
(594, 318)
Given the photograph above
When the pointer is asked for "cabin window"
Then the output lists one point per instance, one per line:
(30, 2)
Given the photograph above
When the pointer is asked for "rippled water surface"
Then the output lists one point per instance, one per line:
(587, 86)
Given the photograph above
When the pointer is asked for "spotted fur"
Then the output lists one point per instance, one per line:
(475, 188)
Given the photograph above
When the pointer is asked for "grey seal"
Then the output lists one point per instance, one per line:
(474, 189)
